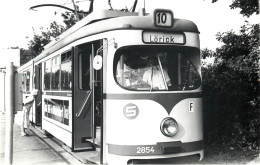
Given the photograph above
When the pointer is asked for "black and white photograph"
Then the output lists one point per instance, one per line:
(128, 82)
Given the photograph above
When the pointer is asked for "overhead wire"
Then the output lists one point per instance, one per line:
(75, 2)
(56, 12)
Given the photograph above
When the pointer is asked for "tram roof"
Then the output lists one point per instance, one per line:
(107, 20)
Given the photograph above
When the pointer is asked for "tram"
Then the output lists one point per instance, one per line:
(123, 86)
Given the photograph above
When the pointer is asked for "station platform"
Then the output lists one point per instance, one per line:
(36, 148)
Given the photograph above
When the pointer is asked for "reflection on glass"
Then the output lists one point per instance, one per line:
(84, 71)
(66, 71)
(28, 80)
(47, 75)
(57, 110)
(55, 73)
(45, 107)
(66, 112)
(24, 81)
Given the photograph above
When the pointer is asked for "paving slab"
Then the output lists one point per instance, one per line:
(30, 149)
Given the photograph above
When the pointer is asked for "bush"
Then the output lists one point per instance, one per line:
(231, 107)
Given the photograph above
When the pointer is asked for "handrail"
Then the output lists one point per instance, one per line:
(81, 109)
(106, 45)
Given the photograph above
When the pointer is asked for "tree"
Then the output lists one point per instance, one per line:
(25, 56)
(207, 53)
(248, 7)
(238, 44)
(70, 19)
(240, 50)
(36, 45)
(231, 90)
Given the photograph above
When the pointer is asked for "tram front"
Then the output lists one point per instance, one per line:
(153, 103)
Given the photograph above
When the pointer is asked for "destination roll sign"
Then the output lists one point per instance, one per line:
(163, 38)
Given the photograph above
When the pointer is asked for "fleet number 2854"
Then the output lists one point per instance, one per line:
(145, 150)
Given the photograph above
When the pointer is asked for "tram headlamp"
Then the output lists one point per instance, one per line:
(169, 127)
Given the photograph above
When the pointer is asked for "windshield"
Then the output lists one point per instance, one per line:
(157, 68)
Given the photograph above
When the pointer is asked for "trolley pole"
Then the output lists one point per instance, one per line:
(76, 10)
(9, 114)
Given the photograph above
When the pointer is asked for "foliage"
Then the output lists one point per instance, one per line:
(36, 45)
(70, 18)
(56, 30)
(238, 44)
(38, 42)
(248, 7)
(208, 53)
(25, 56)
(231, 90)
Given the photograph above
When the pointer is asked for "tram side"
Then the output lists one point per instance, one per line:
(65, 101)
(52, 108)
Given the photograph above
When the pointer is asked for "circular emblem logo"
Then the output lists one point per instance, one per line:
(131, 111)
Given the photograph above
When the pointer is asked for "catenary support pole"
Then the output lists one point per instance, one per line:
(9, 114)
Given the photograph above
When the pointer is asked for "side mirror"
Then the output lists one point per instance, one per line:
(97, 62)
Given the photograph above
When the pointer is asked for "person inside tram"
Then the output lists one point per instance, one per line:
(27, 105)
(154, 76)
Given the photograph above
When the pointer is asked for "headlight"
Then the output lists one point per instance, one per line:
(169, 127)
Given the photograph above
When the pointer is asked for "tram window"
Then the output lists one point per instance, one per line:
(47, 75)
(57, 110)
(24, 81)
(50, 105)
(84, 71)
(46, 107)
(66, 71)
(28, 80)
(66, 112)
(55, 73)
(158, 68)
(65, 57)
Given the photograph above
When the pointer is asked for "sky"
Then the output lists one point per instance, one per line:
(18, 23)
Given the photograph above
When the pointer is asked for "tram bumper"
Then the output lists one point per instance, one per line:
(179, 158)
(159, 153)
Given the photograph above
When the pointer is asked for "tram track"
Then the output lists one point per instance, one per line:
(51, 147)
(61, 149)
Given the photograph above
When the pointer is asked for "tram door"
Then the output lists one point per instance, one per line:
(38, 99)
(83, 98)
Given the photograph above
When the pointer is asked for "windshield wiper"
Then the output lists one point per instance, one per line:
(163, 76)
(151, 80)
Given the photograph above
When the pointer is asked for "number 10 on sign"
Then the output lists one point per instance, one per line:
(163, 18)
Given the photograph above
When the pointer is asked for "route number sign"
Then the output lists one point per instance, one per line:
(163, 18)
